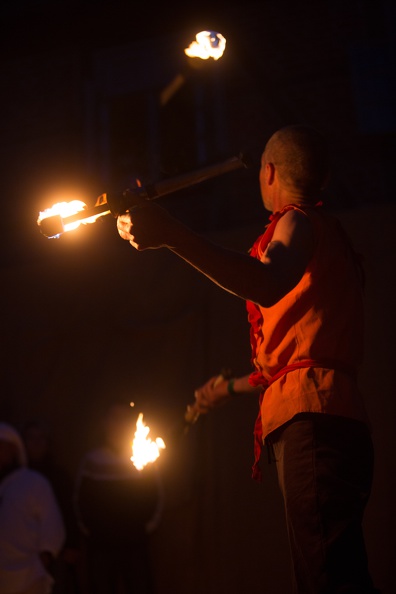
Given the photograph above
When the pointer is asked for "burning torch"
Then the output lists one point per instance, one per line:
(208, 45)
(65, 216)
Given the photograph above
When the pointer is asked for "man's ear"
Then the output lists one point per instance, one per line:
(270, 173)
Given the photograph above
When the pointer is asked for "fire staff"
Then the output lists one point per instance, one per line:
(302, 282)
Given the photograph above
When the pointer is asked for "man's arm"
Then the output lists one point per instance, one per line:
(215, 393)
(263, 282)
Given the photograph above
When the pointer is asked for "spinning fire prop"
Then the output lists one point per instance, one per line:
(66, 216)
(207, 44)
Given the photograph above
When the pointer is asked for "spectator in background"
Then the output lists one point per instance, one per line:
(118, 507)
(36, 435)
(32, 531)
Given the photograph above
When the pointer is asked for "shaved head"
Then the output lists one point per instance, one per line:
(300, 155)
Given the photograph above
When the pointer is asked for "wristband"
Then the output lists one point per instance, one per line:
(230, 387)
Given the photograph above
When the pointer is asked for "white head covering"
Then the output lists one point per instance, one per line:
(11, 435)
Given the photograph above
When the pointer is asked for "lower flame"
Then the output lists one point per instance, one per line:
(144, 450)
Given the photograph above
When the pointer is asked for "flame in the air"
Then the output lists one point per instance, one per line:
(144, 450)
(208, 44)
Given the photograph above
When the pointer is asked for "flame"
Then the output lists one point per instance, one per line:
(208, 44)
(62, 211)
(144, 450)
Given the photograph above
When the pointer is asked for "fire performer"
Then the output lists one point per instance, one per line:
(303, 286)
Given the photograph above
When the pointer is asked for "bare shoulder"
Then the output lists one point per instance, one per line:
(294, 226)
(289, 251)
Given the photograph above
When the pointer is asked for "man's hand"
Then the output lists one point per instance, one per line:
(212, 394)
(142, 226)
(148, 226)
(216, 392)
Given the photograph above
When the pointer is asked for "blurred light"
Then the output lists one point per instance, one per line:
(208, 44)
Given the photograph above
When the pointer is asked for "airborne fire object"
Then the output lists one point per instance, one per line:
(207, 44)
(144, 450)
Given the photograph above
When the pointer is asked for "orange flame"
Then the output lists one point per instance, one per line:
(65, 210)
(208, 44)
(144, 450)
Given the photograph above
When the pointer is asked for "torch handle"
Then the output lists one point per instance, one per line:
(168, 186)
(119, 204)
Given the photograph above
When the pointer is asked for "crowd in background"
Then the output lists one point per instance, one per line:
(87, 534)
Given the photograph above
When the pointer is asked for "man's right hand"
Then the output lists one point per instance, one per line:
(145, 226)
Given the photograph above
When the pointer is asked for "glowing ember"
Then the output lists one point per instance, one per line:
(144, 450)
(208, 44)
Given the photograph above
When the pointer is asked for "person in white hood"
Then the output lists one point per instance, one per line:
(32, 530)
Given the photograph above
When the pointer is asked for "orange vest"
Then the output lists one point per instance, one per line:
(306, 348)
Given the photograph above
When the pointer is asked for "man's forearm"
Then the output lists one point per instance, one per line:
(237, 273)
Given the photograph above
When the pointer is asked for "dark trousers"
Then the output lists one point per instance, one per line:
(325, 470)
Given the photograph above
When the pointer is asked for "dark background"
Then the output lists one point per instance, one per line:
(86, 319)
